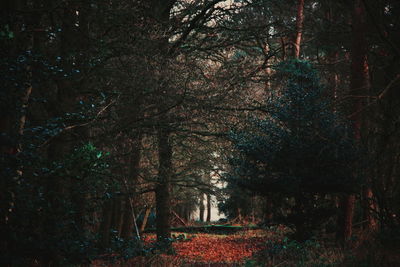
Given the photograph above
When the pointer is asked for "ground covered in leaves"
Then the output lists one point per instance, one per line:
(211, 248)
(203, 249)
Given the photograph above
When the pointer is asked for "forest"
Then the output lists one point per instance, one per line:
(200, 133)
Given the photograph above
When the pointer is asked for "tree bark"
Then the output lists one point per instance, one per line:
(201, 207)
(208, 207)
(360, 85)
(117, 215)
(105, 226)
(163, 205)
(345, 218)
(160, 10)
(127, 222)
(134, 163)
(299, 28)
(187, 213)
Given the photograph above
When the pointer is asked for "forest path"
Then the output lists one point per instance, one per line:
(204, 249)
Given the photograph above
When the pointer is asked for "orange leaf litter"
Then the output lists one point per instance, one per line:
(208, 248)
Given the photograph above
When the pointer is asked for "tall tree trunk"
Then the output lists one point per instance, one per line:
(134, 162)
(345, 218)
(299, 28)
(127, 222)
(268, 71)
(116, 222)
(160, 10)
(163, 205)
(201, 207)
(187, 213)
(360, 86)
(208, 207)
(105, 226)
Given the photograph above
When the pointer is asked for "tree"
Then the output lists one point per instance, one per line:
(380, 110)
(358, 87)
(299, 28)
(112, 108)
(299, 150)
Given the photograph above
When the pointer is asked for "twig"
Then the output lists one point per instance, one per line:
(390, 85)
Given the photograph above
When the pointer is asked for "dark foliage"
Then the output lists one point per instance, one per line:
(301, 151)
